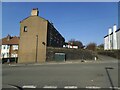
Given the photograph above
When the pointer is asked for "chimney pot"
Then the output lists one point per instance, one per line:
(8, 37)
(114, 27)
(109, 31)
(34, 12)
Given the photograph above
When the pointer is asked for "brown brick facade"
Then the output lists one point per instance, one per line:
(35, 35)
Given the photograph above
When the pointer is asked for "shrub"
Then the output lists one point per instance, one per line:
(91, 46)
(111, 53)
(71, 54)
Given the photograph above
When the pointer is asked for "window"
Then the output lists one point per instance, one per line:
(4, 47)
(25, 28)
(15, 47)
(3, 54)
(57, 42)
(8, 47)
(7, 54)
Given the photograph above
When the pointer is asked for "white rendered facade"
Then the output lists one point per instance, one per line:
(9, 47)
(118, 39)
(112, 40)
(6, 52)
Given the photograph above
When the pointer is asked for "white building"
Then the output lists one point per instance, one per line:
(118, 38)
(112, 40)
(70, 46)
(9, 47)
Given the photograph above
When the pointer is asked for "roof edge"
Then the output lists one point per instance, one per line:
(32, 16)
(105, 36)
(117, 30)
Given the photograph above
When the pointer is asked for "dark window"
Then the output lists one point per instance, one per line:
(25, 28)
(4, 47)
(7, 54)
(7, 47)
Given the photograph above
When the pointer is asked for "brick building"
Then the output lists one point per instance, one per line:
(37, 33)
(9, 47)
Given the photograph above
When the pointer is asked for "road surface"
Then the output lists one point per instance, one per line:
(94, 74)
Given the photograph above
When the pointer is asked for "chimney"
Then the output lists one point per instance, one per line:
(109, 39)
(114, 37)
(109, 31)
(8, 37)
(114, 28)
(34, 12)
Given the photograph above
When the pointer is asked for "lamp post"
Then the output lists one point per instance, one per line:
(36, 48)
(15, 54)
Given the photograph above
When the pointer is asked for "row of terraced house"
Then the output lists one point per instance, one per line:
(9, 47)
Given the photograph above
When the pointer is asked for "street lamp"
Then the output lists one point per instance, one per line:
(36, 48)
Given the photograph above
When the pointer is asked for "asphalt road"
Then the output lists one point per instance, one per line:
(63, 75)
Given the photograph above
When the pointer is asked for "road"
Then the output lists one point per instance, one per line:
(63, 75)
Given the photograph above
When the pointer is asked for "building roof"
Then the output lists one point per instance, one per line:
(10, 40)
(112, 32)
(118, 30)
(33, 16)
(105, 36)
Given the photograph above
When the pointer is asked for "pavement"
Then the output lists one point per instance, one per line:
(70, 74)
(100, 60)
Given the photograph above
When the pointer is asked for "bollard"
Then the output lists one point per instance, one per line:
(95, 58)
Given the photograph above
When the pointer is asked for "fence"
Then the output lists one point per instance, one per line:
(9, 60)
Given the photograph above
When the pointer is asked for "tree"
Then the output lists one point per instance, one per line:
(91, 46)
(76, 43)
(101, 46)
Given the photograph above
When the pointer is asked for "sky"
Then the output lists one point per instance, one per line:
(83, 21)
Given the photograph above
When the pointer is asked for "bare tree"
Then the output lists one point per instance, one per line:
(100, 47)
(76, 43)
(91, 46)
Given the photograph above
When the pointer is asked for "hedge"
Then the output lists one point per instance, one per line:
(111, 53)
(71, 54)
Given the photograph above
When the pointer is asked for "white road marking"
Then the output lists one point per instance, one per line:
(70, 87)
(93, 87)
(12, 65)
(115, 87)
(29, 86)
(50, 87)
(91, 80)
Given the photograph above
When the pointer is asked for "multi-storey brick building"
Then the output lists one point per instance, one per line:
(54, 38)
(37, 33)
